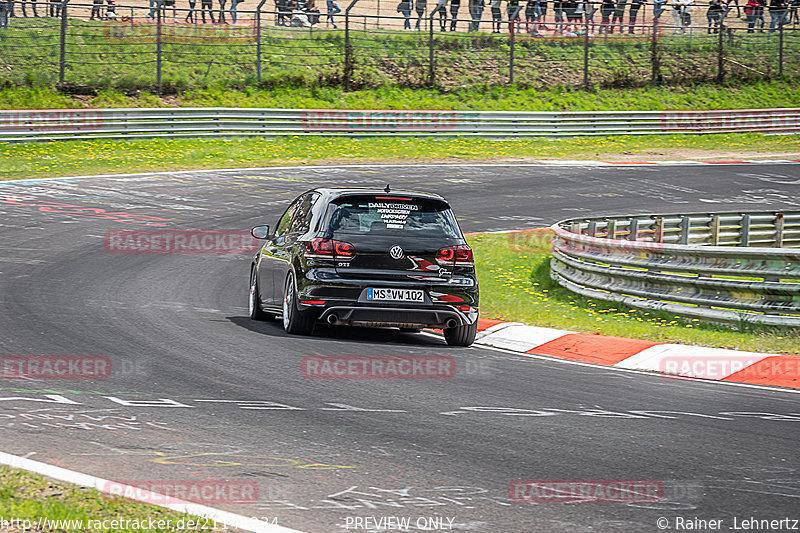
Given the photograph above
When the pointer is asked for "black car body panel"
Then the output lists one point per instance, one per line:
(370, 258)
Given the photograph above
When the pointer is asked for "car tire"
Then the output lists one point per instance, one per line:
(294, 321)
(461, 335)
(254, 301)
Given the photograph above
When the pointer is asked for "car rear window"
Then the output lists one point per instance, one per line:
(392, 215)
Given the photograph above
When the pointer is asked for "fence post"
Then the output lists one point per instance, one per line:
(512, 40)
(62, 52)
(655, 60)
(586, 54)
(258, 40)
(780, 46)
(158, 44)
(720, 52)
(348, 49)
(431, 65)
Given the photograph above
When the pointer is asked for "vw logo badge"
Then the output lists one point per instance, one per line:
(396, 252)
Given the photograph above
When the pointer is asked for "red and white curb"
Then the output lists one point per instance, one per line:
(669, 359)
(233, 520)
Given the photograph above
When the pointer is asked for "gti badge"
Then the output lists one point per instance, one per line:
(396, 252)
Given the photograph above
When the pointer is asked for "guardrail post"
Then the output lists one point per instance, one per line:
(779, 224)
(348, 48)
(592, 228)
(686, 225)
(612, 229)
(715, 230)
(431, 67)
(745, 230)
(159, 20)
(633, 229)
(62, 52)
(658, 230)
(258, 40)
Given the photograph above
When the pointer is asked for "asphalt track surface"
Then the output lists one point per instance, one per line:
(201, 392)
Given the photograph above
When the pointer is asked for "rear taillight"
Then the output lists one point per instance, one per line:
(460, 255)
(329, 249)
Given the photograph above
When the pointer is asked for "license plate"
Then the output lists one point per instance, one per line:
(396, 295)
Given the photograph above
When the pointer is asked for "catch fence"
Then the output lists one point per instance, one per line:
(167, 48)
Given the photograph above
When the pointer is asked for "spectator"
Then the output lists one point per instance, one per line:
(793, 15)
(636, 5)
(619, 16)
(728, 8)
(530, 15)
(589, 9)
(33, 8)
(151, 15)
(573, 9)
(777, 14)
(750, 13)
(455, 5)
(4, 14)
(334, 9)
(206, 5)
(512, 8)
(97, 6)
(313, 12)
(606, 10)
(191, 16)
(235, 12)
(716, 8)
(421, 7)
(171, 4)
(681, 15)
(542, 4)
(658, 9)
(299, 16)
(441, 9)
(760, 15)
(405, 8)
(476, 12)
(558, 15)
(221, 15)
(111, 10)
(496, 16)
(55, 8)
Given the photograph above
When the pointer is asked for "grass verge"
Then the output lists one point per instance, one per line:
(69, 158)
(765, 94)
(516, 286)
(27, 496)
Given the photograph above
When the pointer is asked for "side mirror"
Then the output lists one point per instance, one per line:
(260, 232)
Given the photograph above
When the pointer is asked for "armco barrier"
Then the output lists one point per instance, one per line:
(733, 267)
(67, 124)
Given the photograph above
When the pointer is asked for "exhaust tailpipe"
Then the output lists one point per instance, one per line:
(451, 323)
(333, 319)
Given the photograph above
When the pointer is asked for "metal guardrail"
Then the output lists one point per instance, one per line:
(731, 267)
(76, 124)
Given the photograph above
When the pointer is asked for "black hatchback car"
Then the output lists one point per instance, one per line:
(366, 257)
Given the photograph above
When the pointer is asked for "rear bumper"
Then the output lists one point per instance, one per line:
(398, 317)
